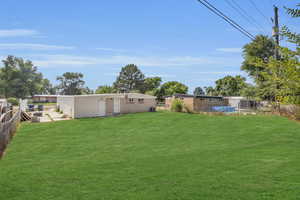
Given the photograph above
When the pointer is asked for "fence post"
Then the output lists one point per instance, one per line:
(8, 127)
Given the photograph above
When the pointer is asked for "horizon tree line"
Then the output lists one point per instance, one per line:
(275, 79)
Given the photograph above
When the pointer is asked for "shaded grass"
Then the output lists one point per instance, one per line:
(155, 156)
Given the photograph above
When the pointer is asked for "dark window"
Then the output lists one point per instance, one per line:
(131, 100)
(141, 100)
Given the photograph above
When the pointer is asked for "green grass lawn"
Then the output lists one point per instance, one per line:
(153, 156)
(45, 104)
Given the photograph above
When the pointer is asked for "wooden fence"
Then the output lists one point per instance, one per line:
(9, 122)
(292, 111)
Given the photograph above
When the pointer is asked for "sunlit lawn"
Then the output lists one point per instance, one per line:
(154, 156)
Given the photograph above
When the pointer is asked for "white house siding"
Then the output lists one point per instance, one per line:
(234, 101)
(3, 102)
(84, 106)
(66, 105)
(87, 106)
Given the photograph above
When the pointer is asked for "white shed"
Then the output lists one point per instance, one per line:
(234, 101)
(98, 105)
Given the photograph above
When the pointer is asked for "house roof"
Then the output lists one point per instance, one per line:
(235, 98)
(121, 95)
(209, 97)
(45, 95)
(192, 96)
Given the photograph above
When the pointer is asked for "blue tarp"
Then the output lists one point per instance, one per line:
(223, 109)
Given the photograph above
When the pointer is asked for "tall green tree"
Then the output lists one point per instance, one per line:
(199, 91)
(151, 84)
(87, 90)
(48, 88)
(173, 87)
(210, 91)
(20, 78)
(71, 83)
(130, 79)
(105, 89)
(230, 86)
(283, 77)
(280, 77)
(263, 49)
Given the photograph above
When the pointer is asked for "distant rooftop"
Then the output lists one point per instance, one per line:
(129, 95)
(193, 96)
(45, 95)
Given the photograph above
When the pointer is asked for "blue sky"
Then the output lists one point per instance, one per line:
(177, 40)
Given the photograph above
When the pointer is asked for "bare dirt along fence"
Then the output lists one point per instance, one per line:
(9, 122)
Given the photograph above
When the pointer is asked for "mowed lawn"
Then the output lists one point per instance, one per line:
(153, 156)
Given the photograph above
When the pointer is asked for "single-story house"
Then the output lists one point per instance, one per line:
(98, 105)
(197, 103)
(242, 103)
(44, 98)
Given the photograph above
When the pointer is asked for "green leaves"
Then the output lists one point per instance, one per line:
(230, 86)
(20, 78)
(173, 87)
(130, 79)
(71, 83)
(294, 12)
(105, 89)
(198, 91)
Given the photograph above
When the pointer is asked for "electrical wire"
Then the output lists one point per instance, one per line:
(226, 18)
(244, 14)
(259, 11)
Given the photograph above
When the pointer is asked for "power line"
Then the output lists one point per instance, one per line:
(244, 14)
(259, 11)
(226, 18)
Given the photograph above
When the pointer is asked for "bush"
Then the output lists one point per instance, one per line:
(289, 99)
(13, 101)
(57, 109)
(177, 105)
(188, 109)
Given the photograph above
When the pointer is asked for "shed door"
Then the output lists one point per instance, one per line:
(102, 108)
(116, 105)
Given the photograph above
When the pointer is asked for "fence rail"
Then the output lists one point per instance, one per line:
(9, 122)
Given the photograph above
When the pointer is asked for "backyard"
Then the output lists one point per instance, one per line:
(151, 156)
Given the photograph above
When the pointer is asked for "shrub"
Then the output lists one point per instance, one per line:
(13, 101)
(177, 105)
(188, 109)
(57, 109)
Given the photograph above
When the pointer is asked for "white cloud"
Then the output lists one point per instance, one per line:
(55, 60)
(29, 46)
(17, 32)
(110, 49)
(161, 75)
(230, 50)
(219, 72)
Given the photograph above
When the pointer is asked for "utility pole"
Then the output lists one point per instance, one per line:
(276, 36)
(276, 31)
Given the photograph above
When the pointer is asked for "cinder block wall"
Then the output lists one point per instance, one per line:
(135, 106)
